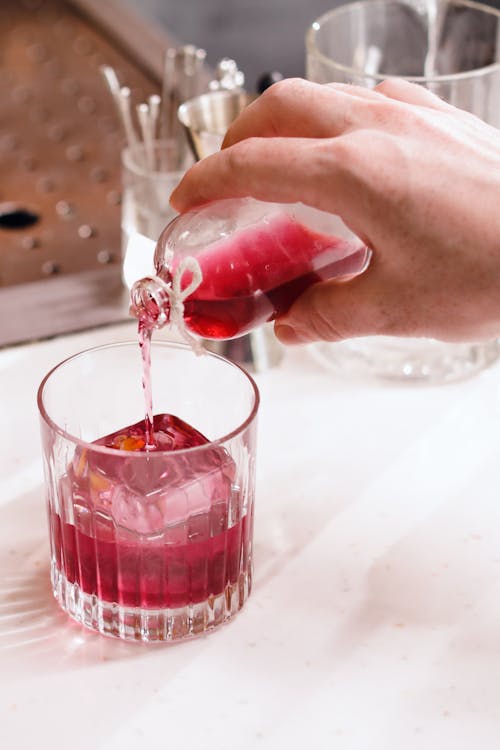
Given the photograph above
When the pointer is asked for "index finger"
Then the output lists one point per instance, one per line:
(279, 170)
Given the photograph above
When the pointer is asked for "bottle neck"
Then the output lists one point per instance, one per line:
(150, 301)
(155, 302)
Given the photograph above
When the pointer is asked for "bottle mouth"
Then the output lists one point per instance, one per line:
(150, 302)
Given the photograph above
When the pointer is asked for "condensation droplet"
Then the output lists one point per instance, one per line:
(65, 209)
(98, 174)
(49, 268)
(114, 197)
(30, 243)
(29, 163)
(56, 133)
(85, 231)
(104, 256)
(45, 185)
(75, 153)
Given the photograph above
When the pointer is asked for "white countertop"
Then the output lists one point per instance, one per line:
(374, 620)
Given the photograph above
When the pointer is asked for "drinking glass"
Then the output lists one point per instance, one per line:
(452, 48)
(154, 545)
(148, 178)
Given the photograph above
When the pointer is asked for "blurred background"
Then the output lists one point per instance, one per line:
(261, 35)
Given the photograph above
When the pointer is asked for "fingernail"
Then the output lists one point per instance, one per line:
(286, 334)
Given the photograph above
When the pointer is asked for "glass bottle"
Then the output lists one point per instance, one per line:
(231, 265)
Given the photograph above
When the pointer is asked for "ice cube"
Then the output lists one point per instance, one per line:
(146, 493)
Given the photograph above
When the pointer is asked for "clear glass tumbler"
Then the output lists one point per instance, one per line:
(148, 178)
(453, 48)
(156, 545)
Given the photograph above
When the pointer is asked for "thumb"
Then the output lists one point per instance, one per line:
(335, 310)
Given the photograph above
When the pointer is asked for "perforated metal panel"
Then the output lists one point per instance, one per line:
(60, 168)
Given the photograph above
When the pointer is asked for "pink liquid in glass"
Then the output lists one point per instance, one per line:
(152, 533)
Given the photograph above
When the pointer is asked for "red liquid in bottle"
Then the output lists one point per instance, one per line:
(256, 275)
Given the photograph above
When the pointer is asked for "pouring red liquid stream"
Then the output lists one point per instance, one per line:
(144, 334)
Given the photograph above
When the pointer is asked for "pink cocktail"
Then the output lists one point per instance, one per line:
(149, 543)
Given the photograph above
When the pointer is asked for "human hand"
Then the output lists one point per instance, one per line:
(417, 179)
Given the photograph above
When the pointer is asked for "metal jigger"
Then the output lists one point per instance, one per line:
(206, 119)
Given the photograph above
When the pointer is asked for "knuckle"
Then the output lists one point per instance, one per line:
(281, 91)
(319, 325)
(392, 87)
(343, 157)
(239, 156)
(341, 148)
(390, 114)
